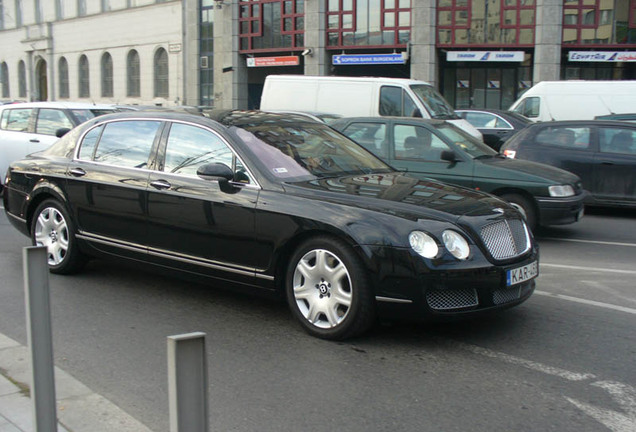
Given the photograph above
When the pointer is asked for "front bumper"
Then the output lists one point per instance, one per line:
(479, 287)
(560, 211)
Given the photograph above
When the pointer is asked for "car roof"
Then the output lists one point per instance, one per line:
(581, 123)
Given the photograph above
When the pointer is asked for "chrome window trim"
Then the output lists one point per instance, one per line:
(81, 139)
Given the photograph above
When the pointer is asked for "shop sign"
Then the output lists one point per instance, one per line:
(367, 59)
(273, 61)
(485, 56)
(602, 56)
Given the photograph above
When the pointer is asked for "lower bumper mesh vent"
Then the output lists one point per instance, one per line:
(451, 299)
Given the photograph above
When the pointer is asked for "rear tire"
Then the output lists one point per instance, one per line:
(328, 291)
(52, 227)
(525, 207)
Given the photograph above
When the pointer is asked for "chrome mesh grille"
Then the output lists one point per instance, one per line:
(506, 295)
(506, 239)
(451, 299)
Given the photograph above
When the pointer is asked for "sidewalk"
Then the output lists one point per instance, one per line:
(78, 408)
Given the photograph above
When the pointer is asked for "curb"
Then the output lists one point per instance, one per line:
(78, 408)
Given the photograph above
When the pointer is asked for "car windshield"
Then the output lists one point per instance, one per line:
(86, 114)
(466, 142)
(434, 102)
(301, 151)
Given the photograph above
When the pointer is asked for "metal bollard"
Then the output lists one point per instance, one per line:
(38, 314)
(188, 383)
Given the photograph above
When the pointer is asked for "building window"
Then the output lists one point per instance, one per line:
(18, 13)
(81, 7)
(59, 9)
(266, 25)
(161, 73)
(588, 23)
(1, 15)
(22, 86)
(84, 82)
(38, 12)
(206, 51)
(4, 78)
(472, 23)
(63, 77)
(107, 75)
(382, 23)
(133, 88)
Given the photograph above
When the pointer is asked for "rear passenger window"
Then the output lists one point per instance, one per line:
(16, 119)
(125, 143)
(568, 137)
(371, 136)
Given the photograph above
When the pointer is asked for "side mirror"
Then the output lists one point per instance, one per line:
(216, 171)
(449, 156)
(61, 132)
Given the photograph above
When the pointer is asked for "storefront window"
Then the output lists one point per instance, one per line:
(269, 25)
(381, 23)
(485, 22)
(596, 22)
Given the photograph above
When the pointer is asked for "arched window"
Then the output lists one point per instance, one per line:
(161, 73)
(63, 76)
(4, 77)
(133, 88)
(22, 81)
(84, 83)
(107, 75)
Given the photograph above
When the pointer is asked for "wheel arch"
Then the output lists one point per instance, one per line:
(42, 192)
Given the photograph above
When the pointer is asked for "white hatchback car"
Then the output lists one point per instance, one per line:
(30, 127)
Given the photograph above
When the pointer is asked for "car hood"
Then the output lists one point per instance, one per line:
(512, 169)
(401, 195)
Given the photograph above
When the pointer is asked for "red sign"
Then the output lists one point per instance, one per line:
(273, 61)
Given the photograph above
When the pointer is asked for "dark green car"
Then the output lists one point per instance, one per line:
(436, 149)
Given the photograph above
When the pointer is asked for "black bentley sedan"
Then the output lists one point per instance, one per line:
(275, 204)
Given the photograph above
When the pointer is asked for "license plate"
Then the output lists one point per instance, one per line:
(522, 274)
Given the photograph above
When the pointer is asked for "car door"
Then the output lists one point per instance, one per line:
(107, 183)
(614, 170)
(15, 134)
(201, 224)
(418, 150)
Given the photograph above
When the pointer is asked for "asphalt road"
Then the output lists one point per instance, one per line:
(563, 361)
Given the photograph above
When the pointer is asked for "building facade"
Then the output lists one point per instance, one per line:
(479, 53)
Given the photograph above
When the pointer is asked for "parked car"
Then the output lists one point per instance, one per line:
(29, 127)
(271, 204)
(601, 153)
(438, 150)
(496, 126)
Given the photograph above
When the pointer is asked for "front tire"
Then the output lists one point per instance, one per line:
(52, 227)
(328, 290)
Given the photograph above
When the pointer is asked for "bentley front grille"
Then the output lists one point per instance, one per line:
(506, 239)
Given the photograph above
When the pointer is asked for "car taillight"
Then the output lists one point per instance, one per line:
(510, 153)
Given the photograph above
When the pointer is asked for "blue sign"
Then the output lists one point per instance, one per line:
(367, 59)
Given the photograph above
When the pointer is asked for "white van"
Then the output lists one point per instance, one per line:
(576, 100)
(359, 97)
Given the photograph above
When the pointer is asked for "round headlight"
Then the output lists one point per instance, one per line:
(456, 244)
(423, 244)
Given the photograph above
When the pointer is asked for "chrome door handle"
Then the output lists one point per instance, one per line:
(77, 172)
(160, 184)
